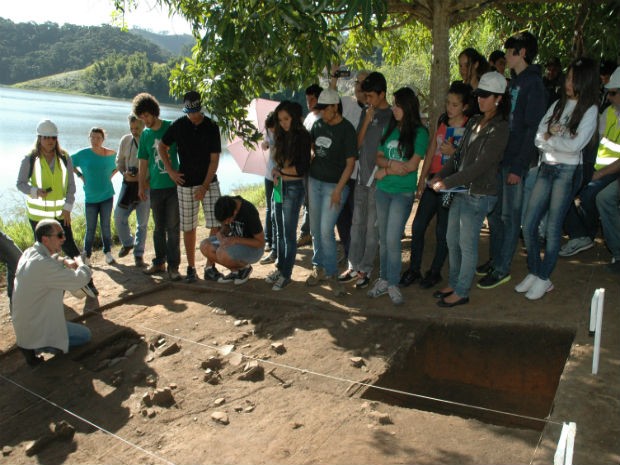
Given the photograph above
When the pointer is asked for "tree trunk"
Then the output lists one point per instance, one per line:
(440, 67)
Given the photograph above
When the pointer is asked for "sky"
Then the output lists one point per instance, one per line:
(92, 13)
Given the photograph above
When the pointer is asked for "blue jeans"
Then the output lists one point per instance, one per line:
(555, 189)
(270, 237)
(582, 221)
(103, 211)
(9, 254)
(323, 217)
(121, 219)
(428, 206)
(465, 219)
(393, 211)
(78, 334)
(286, 218)
(528, 187)
(166, 233)
(607, 203)
(505, 223)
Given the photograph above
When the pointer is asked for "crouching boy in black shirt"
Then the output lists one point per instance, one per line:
(239, 242)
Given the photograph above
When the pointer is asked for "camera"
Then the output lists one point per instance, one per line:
(342, 73)
(132, 170)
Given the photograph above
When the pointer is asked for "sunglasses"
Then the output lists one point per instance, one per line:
(483, 93)
(612, 93)
(59, 235)
(49, 137)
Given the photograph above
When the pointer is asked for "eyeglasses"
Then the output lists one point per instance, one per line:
(49, 137)
(612, 93)
(59, 235)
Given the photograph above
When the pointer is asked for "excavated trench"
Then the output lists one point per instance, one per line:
(507, 368)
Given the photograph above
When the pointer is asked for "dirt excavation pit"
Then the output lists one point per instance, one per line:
(512, 369)
(181, 372)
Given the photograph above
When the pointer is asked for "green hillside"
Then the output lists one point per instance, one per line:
(29, 50)
(176, 44)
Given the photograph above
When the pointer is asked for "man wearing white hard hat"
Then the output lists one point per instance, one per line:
(46, 178)
(608, 199)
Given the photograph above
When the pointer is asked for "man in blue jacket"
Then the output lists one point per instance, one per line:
(528, 105)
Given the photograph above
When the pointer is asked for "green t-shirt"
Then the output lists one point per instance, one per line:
(97, 171)
(147, 150)
(332, 146)
(394, 184)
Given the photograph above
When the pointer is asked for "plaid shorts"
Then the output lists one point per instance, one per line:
(188, 206)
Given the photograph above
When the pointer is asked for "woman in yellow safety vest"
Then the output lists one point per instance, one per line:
(46, 177)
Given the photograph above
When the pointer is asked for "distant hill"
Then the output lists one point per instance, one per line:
(176, 44)
(29, 50)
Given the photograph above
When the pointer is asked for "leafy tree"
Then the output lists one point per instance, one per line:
(125, 76)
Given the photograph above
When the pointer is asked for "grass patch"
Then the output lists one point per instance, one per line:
(20, 231)
(253, 193)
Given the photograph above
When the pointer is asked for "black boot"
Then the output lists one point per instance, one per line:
(31, 357)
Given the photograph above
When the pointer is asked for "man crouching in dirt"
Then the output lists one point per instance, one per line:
(239, 242)
(41, 278)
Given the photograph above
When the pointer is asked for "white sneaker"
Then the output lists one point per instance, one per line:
(539, 289)
(109, 259)
(273, 277)
(576, 245)
(85, 259)
(395, 295)
(525, 285)
(378, 289)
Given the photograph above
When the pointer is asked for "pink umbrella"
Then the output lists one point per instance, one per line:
(253, 160)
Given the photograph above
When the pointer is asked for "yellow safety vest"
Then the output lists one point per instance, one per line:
(609, 146)
(43, 178)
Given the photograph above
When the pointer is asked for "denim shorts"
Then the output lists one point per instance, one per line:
(239, 252)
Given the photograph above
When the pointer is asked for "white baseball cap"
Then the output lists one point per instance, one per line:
(492, 82)
(327, 97)
(614, 80)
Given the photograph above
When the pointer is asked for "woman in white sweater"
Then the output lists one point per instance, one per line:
(567, 127)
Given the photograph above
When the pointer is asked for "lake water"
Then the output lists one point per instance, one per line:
(21, 111)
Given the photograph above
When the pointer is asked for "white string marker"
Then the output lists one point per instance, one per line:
(598, 330)
(566, 445)
(593, 311)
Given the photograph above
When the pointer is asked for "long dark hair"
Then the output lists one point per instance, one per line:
(408, 101)
(586, 89)
(287, 142)
(473, 57)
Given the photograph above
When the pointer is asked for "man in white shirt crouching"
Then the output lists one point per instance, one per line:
(42, 277)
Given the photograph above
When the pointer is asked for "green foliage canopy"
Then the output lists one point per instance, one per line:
(245, 48)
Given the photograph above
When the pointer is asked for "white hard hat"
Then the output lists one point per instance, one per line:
(47, 128)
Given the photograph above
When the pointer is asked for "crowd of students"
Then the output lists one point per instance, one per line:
(515, 151)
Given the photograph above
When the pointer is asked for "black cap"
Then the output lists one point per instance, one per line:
(191, 102)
